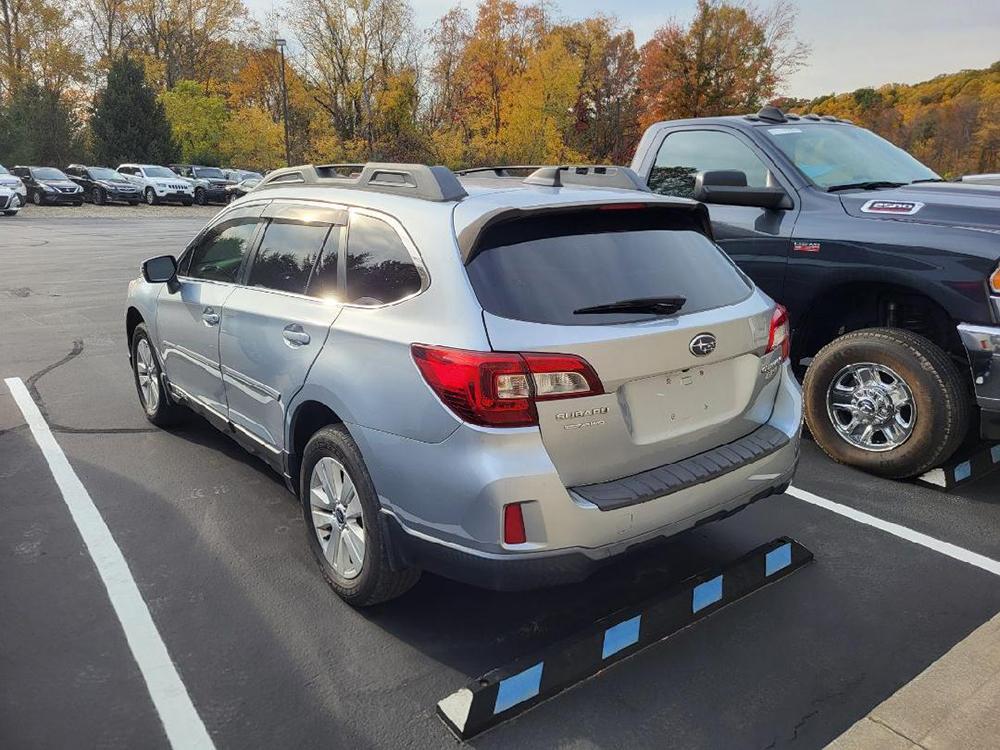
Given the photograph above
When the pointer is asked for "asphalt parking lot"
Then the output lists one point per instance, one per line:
(272, 658)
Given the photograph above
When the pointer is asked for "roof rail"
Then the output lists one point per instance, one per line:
(499, 171)
(590, 176)
(413, 180)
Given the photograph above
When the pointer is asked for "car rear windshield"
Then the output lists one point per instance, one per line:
(541, 269)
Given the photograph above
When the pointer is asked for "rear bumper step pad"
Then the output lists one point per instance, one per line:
(670, 478)
(509, 691)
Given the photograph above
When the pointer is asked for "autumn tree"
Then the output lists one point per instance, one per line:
(198, 120)
(730, 59)
(128, 122)
(605, 115)
(38, 44)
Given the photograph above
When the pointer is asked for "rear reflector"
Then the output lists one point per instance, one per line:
(513, 524)
(781, 333)
(499, 389)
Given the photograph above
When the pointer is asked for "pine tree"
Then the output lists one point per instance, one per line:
(38, 127)
(129, 122)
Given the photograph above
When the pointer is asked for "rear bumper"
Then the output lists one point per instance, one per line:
(443, 502)
(982, 344)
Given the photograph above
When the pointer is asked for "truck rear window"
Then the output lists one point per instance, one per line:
(540, 269)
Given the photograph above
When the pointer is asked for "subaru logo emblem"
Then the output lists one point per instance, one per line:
(702, 345)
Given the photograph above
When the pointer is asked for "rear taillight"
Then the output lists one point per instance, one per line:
(781, 333)
(499, 389)
(995, 282)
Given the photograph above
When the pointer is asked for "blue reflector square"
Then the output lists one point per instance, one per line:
(519, 688)
(777, 559)
(995, 453)
(963, 471)
(621, 635)
(706, 593)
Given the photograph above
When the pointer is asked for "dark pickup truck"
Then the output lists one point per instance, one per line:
(890, 274)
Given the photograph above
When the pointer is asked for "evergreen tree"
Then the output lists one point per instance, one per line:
(38, 127)
(129, 122)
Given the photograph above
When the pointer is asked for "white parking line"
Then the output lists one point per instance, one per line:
(945, 548)
(183, 726)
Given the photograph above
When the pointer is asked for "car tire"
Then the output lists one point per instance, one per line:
(151, 198)
(865, 379)
(98, 197)
(199, 197)
(156, 403)
(37, 198)
(333, 454)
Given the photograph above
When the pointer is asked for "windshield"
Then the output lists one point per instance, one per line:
(4, 170)
(47, 173)
(213, 173)
(103, 173)
(251, 176)
(832, 155)
(158, 172)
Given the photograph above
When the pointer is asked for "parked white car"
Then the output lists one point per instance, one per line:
(13, 193)
(158, 184)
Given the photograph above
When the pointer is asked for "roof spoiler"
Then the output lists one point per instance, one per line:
(437, 184)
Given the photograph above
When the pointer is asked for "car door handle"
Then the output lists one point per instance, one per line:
(210, 316)
(295, 335)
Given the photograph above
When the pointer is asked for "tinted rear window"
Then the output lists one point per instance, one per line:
(540, 269)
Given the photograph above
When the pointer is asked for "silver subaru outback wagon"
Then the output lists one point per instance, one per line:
(504, 382)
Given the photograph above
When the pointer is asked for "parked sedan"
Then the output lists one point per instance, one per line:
(241, 188)
(18, 193)
(49, 185)
(101, 185)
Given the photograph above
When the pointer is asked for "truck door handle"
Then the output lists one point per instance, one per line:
(295, 335)
(210, 316)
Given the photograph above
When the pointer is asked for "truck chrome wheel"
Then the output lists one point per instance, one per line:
(148, 376)
(336, 517)
(871, 407)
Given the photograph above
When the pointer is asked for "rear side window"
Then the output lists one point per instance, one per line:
(541, 269)
(287, 255)
(379, 267)
(218, 255)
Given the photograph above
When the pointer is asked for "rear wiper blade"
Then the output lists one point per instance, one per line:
(654, 305)
(871, 185)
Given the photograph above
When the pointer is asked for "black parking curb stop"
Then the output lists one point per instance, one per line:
(963, 468)
(511, 690)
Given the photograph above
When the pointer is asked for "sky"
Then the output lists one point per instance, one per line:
(855, 43)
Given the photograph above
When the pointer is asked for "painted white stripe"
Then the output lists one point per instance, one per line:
(945, 548)
(183, 726)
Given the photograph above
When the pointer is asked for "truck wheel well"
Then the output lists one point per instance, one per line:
(851, 307)
(309, 418)
(132, 318)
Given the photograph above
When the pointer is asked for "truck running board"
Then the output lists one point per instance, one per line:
(511, 690)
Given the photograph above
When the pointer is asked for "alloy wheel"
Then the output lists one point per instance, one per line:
(148, 376)
(871, 407)
(337, 518)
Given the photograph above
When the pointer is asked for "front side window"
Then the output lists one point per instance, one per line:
(287, 255)
(219, 253)
(685, 153)
(833, 154)
(379, 267)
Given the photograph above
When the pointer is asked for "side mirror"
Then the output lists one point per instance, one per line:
(160, 270)
(729, 188)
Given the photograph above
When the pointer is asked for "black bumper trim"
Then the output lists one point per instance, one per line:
(670, 478)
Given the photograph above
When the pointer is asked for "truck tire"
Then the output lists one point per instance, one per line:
(887, 401)
(331, 463)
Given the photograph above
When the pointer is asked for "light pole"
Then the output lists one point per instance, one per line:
(280, 44)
